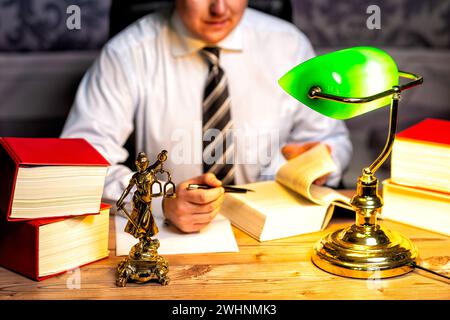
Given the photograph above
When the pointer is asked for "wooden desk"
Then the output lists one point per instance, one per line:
(279, 269)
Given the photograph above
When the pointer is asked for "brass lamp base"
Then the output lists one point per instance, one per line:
(365, 249)
(358, 252)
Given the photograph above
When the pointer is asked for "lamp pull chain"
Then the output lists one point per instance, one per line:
(430, 271)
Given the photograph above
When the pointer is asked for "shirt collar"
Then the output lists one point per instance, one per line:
(184, 42)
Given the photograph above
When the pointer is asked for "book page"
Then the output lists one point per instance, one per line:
(216, 237)
(299, 174)
(327, 195)
(274, 211)
(420, 208)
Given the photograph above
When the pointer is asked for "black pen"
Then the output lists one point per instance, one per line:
(230, 189)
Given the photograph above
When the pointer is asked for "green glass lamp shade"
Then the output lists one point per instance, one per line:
(350, 73)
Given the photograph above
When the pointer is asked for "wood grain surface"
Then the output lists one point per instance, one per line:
(279, 269)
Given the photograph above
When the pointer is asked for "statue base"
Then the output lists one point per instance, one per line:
(143, 264)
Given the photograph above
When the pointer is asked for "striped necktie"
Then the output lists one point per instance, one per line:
(218, 147)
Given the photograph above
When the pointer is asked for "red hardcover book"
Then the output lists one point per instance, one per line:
(428, 131)
(49, 177)
(421, 156)
(43, 248)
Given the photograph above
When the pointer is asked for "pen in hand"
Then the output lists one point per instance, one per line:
(229, 189)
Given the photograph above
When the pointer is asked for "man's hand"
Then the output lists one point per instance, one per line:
(192, 210)
(293, 150)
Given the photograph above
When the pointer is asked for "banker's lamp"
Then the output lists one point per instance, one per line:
(342, 85)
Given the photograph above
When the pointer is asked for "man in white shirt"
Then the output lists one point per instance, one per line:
(153, 78)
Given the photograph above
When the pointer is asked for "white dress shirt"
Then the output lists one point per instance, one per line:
(151, 78)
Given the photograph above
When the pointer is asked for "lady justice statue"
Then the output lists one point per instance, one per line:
(143, 262)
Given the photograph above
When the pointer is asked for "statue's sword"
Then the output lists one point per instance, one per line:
(122, 207)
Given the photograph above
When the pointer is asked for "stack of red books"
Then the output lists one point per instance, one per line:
(51, 216)
(418, 192)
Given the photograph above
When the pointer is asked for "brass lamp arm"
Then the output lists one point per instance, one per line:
(390, 140)
(316, 92)
(393, 119)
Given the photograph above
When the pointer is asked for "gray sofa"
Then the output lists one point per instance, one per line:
(42, 62)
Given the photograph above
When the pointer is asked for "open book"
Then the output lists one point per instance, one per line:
(292, 204)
